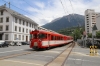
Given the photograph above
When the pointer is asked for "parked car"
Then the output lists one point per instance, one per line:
(4, 44)
(12, 43)
(25, 43)
(17, 44)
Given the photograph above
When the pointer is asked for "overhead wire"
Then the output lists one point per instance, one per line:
(31, 6)
(73, 13)
(63, 6)
(71, 6)
(20, 9)
(65, 10)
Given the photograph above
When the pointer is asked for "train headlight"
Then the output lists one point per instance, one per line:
(35, 43)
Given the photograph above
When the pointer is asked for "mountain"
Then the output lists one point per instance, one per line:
(66, 22)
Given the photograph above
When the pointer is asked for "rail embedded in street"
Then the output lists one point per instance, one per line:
(60, 60)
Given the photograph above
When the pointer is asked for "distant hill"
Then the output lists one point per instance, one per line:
(66, 22)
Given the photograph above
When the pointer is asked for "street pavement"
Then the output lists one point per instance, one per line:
(36, 58)
(78, 57)
(81, 57)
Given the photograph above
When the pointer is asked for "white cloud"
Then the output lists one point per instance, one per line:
(48, 12)
(40, 4)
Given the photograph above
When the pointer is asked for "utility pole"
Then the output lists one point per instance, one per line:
(94, 28)
(9, 4)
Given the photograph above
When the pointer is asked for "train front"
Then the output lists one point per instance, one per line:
(35, 43)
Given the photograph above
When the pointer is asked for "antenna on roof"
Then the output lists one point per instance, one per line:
(9, 4)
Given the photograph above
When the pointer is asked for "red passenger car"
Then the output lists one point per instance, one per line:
(40, 39)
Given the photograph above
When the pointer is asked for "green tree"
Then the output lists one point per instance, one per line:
(90, 35)
(98, 34)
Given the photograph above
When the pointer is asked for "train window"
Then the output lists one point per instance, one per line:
(35, 36)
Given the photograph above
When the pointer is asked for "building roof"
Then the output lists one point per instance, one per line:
(16, 14)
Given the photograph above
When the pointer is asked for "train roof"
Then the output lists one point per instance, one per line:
(48, 32)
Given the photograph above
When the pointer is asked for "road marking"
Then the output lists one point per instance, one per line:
(81, 60)
(44, 56)
(11, 51)
(23, 62)
(52, 51)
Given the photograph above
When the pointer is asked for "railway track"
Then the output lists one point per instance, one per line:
(61, 58)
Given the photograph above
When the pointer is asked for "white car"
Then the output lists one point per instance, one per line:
(18, 44)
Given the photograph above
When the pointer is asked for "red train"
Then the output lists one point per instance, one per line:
(40, 39)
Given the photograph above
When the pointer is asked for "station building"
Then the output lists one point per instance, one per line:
(15, 26)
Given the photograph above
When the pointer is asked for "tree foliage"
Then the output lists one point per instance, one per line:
(98, 34)
(90, 35)
(76, 32)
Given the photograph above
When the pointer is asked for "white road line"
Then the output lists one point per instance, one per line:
(81, 60)
(23, 62)
(52, 51)
(11, 51)
(44, 56)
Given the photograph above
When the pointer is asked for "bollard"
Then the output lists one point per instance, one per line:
(95, 50)
(91, 51)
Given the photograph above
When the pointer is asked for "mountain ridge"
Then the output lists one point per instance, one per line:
(65, 22)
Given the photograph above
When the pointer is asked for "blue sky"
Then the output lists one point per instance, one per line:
(44, 11)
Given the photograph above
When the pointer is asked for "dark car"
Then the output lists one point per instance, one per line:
(4, 44)
(25, 43)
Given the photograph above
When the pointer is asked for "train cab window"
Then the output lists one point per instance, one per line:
(42, 35)
(35, 36)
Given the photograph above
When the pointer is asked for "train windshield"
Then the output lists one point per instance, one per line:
(41, 35)
(35, 36)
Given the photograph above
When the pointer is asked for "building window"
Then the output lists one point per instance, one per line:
(23, 29)
(1, 27)
(30, 24)
(19, 37)
(7, 19)
(19, 29)
(1, 12)
(19, 21)
(15, 28)
(23, 37)
(15, 20)
(26, 23)
(23, 22)
(15, 37)
(7, 27)
(29, 31)
(26, 30)
(6, 36)
(1, 19)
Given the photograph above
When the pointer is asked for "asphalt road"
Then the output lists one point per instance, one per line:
(34, 58)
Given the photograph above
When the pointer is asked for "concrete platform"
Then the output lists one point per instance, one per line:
(81, 57)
